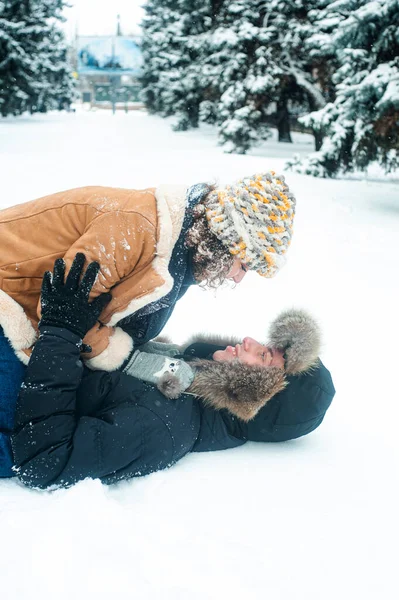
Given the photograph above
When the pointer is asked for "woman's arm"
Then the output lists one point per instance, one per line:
(120, 242)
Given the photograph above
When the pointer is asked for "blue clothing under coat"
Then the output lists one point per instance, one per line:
(11, 376)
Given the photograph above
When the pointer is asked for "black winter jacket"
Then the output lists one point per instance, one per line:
(72, 423)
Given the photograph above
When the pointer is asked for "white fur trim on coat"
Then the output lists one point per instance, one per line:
(24, 358)
(119, 347)
(171, 206)
(16, 326)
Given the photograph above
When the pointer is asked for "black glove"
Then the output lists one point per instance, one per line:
(67, 304)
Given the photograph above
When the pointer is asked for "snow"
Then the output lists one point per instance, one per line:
(391, 93)
(222, 36)
(311, 519)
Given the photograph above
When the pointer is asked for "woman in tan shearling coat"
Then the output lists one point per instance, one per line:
(151, 245)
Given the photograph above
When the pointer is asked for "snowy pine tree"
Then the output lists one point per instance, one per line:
(244, 66)
(184, 86)
(362, 124)
(239, 82)
(173, 40)
(159, 51)
(302, 85)
(34, 72)
(263, 69)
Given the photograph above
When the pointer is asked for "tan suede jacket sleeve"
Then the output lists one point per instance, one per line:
(124, 244)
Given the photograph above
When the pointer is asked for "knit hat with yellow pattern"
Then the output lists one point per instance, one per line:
(253, 218)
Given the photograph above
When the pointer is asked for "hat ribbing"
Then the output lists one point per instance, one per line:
(253, 218)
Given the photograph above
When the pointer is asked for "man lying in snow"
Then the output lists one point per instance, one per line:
(72, 423)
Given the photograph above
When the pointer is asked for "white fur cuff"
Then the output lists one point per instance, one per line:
(16, 326)
(112, 358)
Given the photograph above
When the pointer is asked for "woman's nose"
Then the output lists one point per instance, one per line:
(240, 276)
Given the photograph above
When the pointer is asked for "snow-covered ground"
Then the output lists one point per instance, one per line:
(312, 519)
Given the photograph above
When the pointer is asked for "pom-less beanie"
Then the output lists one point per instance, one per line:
(253, 218)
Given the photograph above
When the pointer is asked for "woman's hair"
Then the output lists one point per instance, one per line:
(212, 261)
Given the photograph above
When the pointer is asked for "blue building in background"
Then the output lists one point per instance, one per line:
(108, 68)
(109, 55)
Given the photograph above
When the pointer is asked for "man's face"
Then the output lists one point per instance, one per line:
(237, 271)
(251, 352)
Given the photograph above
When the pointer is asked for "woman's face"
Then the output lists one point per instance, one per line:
(237, 271)
(251, 352)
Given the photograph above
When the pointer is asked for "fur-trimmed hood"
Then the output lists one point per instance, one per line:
(244, 389)
(297, 334)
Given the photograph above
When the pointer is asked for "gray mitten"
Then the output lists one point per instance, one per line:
(171, 376)
(161, 348)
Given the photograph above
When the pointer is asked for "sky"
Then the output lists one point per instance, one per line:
(98, 17)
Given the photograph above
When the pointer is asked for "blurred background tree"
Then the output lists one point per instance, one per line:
(35, 74)
(361, 125)
(326, 67)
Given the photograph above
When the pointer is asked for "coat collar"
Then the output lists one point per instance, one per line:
(240, 388)
(171, 205)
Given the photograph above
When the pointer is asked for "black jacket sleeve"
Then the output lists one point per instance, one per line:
(52, 443)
